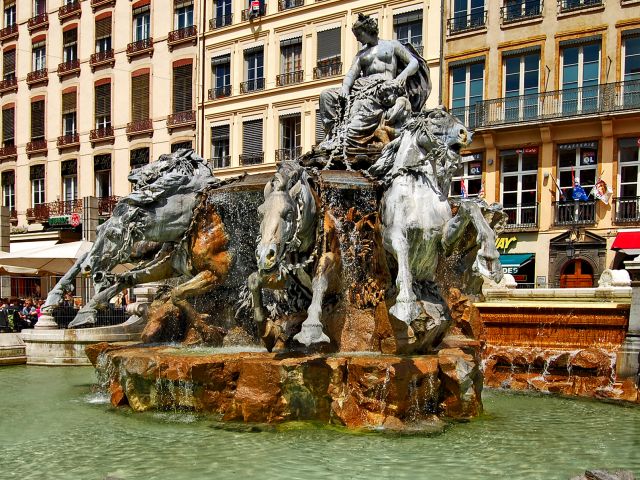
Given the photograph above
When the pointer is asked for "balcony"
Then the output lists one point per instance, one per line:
(9, 32)
(44, 211)
(37, 22)
(68, 68)
(182, 35)
(9, 152)
(521, 11)
(252, 85)
(104, 134)
(627, 210)
(13, 215)
(106, 205)
(611, 98)
(181, 119)
(140, 127)
(219, 92)
(287, 4)
(571, 213)
(566, 6)
(140, 47)
(326, 70)
(36, 146)
(290, 78)
(220, 162)
(68, 140)
(38, 213)
(521, 217)
(466, 23)
(220, 22)
(249, 14)
(9, 84)
(69, 10)
(288, 154)
(96, 4)
(102, 58)
(251, 158)
(37, 77)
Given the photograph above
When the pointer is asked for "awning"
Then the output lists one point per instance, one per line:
(515, 260)
(17, 247)
(55, 259)
(627, 242)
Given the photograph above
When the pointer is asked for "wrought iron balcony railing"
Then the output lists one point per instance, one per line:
(252, 85)
(106, 205)
(39, 76)
(9, 151)
(249, 14)
(39, 21)
(627, 210)
(139, 126)
(36, 146)
(67, 68)
(575, 213)
(10, 31)
(140, 47)
(221, 21)
(287, 4)
(69, 10)
(290, 78)
(9, 84)
(327, 70)
(182, 35)
(220, 162)
(13, 215)
(466, 23)
(101, 134)
(220, 92)
(102, 58)
(44, 211)
(38, 213)
(521, 11)
(522, 217)
(68, 140)
(251, 158)
(286, 154)
(573, 5)
(181, 119)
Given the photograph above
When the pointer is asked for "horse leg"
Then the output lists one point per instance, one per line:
(454, 228)
(255, 287)
(198, 330)
(406, 308)
(325, 277)
(64, 284)
(487, 262)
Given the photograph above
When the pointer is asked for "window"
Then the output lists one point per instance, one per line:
(9, 14)
(140, 97)
(254, 69)
(407, 28)
(220, 146)
(69, 173)
(102, 173)
(467, 85)
(103, 35)
(329, 51)
(188, 145)
(221, 70)
(39, 54)
(9, 190)
(8, 126)
(290, 142)
(9, 65)
(631, 70)
(580, 78)
(70, 45)
(103, 105)
(519, 185)
(183, 14)
(141, 23)
(139, 157)
(252, 152)
(629, 167)
(36, 175)
(182, 82)
(291, 55)
(521, 9)
(467, 14)
(69, 113)
(39, 7)
(521, 80)
(582, 160)
(222, 13)
(37, 120)
(470, 173)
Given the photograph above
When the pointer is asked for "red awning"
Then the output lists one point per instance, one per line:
(628, 242)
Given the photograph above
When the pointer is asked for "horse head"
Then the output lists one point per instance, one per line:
(448, 129)
(288, 216)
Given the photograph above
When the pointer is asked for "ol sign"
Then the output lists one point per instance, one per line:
(504, 243)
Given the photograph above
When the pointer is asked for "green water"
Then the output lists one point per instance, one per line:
(52, 427)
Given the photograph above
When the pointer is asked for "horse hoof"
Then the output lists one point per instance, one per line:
(83, 318)
(406, 312)
(311, 333)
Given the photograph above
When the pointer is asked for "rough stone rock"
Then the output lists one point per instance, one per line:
(399, 393)
(606, 475)
(592, 359)
(466, 317)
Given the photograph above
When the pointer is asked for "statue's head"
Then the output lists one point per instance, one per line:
(365, 26)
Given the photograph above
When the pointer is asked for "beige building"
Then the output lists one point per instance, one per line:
(552, 90)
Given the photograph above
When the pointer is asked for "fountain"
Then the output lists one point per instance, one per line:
(352, 272)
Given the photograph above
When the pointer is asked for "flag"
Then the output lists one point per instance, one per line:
(463, 189)
(602, 191)
(555, 180)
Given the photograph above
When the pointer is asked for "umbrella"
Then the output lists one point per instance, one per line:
(56, 259)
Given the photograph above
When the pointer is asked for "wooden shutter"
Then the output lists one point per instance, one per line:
(182, 88)
(37, 120)
(409, 17)
(8, 177)
(69, 167)
(329, 43)
(36, 172)
(103, 100)
(319, 128)
(252, 137)
(9, 62)
(68, 102)
(8, 121)
(103, 28)
(140, 97)
(102, 162)
(70, 37)
(221, 132)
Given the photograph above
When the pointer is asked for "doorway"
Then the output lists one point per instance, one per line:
(576, 274)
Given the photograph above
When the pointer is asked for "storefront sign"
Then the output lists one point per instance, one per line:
(574, 146)
(588, 157)
(504, 243)
(475, 168)
(527, 150)
(65, 220)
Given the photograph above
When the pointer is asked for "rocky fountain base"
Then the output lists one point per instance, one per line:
(355, 390)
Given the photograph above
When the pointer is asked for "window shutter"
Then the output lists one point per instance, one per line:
(220, 132)
(221, 60)
(103, 100)
(70, 37)
(9, 62)
(182, 88)
(69, 102)
(252, 137)
(329, 43)
(8, 177)
(139, 157)
(69, 167)
(319, 128)
(102, 162)
(140, 97)
(8, 120)
(36, 172)
(37, 119)
(409, 17)
(103, 28)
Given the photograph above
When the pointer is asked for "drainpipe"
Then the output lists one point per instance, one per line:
(202, 79)
(443, 26)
